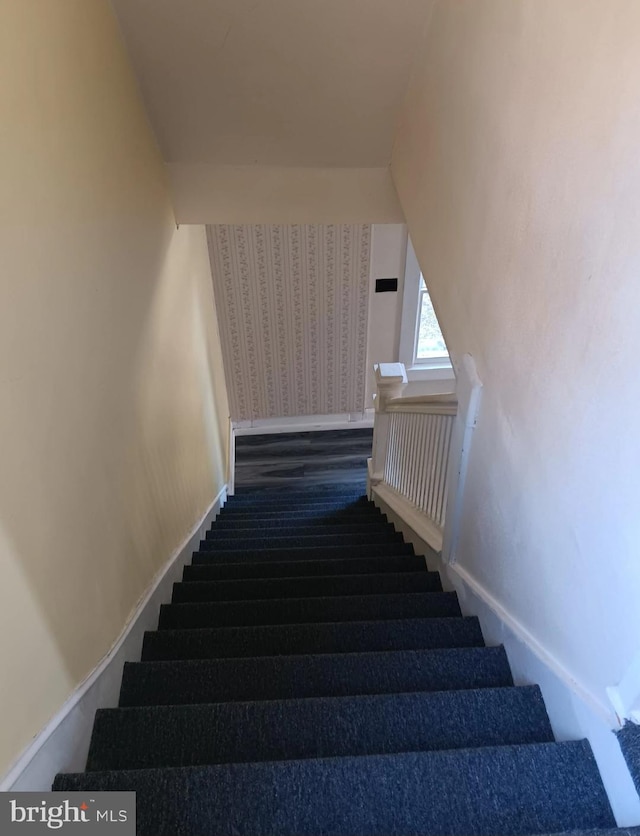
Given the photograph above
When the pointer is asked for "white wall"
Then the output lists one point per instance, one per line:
(216, 194)
(388, 261)
(516, 162)
(278, 83)
(388, 253)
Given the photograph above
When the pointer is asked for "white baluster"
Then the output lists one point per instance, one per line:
(390, 381)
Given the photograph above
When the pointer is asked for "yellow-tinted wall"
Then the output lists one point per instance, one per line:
(113, 411)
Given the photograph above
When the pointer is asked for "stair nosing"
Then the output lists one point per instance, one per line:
(306, 599)
(360, 575)
(496, 648)
(331, 697)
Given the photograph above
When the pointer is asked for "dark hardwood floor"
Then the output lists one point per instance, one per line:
(330, 457)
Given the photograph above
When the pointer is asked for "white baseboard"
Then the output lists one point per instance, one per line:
(63, 744)
(574, 710)
(305, 423)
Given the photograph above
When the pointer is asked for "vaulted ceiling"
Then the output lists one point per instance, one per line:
(274, 82)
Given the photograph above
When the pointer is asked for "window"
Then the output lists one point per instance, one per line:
(422, 347)
(429, 343)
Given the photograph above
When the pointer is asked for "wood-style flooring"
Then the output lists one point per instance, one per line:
(329, 457)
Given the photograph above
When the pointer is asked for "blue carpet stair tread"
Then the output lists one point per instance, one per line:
(210, 552)
(193, 735)
(325, 675)
(290, 506)
(371, 530)
(329, 515)
(307, 568)
(305, 639)
(266, 523)
(305, 610)
(321, 587)
(629, 740)
(232, 543)
(355, 498)
(310, 677)
(294, 490)
(535, 788)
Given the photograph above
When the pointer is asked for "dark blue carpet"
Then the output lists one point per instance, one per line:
(352, 502)
(211, 553)
(311, 677)
(253, 541)
(316, 587)
(231, 530)
(327, 637)
(326, 675)
(193, 735)
(277, 523)
(328, 515)
(305, 610)
(629, 740)
(302, 568)
(534, 788)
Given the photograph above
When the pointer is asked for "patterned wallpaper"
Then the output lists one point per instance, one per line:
(292, 306)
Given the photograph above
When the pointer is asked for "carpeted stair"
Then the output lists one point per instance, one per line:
(311, 677)
(629, 740)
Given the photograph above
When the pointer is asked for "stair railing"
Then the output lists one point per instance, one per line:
(421, 451)
(409, 469)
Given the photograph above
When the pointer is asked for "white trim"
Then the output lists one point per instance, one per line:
(231, 463)
(305, 423)
(573, 682)
(416, 520)
(62, 745)
(468, 393)
(427, 373)
(414, 517)
(574, 710)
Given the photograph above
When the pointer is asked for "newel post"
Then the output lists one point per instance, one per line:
(390, 381)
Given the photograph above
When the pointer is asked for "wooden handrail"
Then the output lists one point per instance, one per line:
(425, 404)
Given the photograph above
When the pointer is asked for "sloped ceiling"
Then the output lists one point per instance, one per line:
(274, 82)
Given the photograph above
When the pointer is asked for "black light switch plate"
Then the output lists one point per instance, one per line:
(386, 285)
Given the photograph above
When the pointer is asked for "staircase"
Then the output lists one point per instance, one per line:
(311, 677)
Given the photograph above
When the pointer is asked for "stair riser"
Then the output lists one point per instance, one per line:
(309, 610)
(379, 530)
(310, 541)
(543, 788)
(265, 678)
(246, 492)
(392, 549)
(344, 637)
(197, 591)
(293, 521)
(329, 515)
(343, 497)
(143, 738)
(292, 506)
(302, 568)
